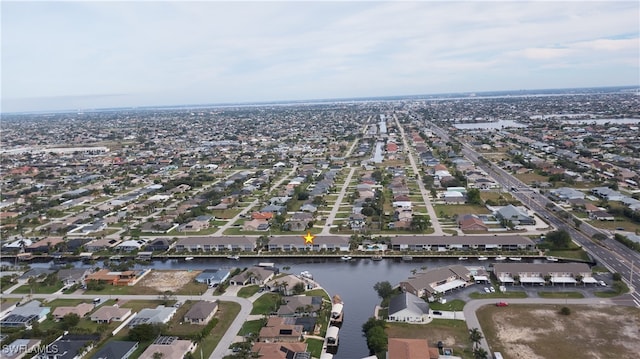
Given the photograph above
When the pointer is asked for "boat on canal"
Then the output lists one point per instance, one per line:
(188, 258)
(483, 258)
(376, 257)
(346, 258)
(501, 258)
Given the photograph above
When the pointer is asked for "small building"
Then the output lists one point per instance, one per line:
(471, 222)
(439, 280)
(277, 331)
(80, 310)
(158, 315)
(402, 348)
(114, 278)
(406, 307)
(201, 312)
(281, 350)
(213, 277)
(253, 275)
(116, 349)
(25, 315)
(108, 314)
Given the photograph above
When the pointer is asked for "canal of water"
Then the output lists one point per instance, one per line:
(352, 280)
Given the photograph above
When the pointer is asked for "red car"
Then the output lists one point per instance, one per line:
(502, 304)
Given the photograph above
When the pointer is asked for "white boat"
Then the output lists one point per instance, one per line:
(483, 258)
(188, 259)
(236, 257)
(463, 258)
(552, 259)
(306, 274)
(346, 258)
(517, 259)
(501, 258)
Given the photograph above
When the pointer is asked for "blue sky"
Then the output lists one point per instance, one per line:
(89, 54)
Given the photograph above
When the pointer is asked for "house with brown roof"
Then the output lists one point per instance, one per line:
(253, 275)
(471, 222)
(80, 310)
(401, 348)
(114, 278)
(201, 312)
(277, 331)
(108, 314)
(279, 350)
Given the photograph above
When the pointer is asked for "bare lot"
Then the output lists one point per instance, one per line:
(534, 332)
(163, 281)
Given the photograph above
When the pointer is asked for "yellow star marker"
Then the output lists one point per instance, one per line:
(308, 239)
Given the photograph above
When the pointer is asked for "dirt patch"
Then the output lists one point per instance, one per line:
(163, 281)
(540, 332)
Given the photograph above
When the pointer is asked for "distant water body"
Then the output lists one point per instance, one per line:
(490, 125)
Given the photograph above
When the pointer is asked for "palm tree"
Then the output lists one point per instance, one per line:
(480, 353)
(476, 336)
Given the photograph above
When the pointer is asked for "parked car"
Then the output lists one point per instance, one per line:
(437, 312)
(492, 289)
(486, 290)
(502, 304)
(602, 283)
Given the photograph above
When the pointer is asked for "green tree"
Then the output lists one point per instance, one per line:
(384, 289)
(617, 277)
(559, 239)
(420, 223)
(69, 321)
(298, 288)
(144, 332)
(565, 311)
(475, 335)
(480, 353)
(377, 340)
(473, 196)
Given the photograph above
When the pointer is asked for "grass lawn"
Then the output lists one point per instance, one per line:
(246, 292)
(459, 209)
(192, 288)
(539, 331)
(251, 326)
(571, 295)
(318, 292)
(574, 254)
(138, 305)
(454, 305)
(314, 346)
(227, 312)
(453, 333)
(38, 288)
(266, 304)
(507, 294)
(123, 290)
(65, 303)
(528, 178)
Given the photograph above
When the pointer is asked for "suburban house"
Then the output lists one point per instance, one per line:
(69, 347)
(108, 314)
(446, 243)
(19, 348)
(25, 315)
(213, 277)
(73, 276)
(80, 310)
(280, 350)
(407, 307)
(439, 280)
(357, 221)
(253, 275)
(277, 331)
(515, 215)
(114, 278)
(168, 347)
(116, 349)
(401, 348)
(540, 273)
(201, 312)
(286, 284)
(100, 244)
(158, 315)
(566, 193)
(602, 216)
(158, 245)
(131, 245)
(471, 222)
(299, 305)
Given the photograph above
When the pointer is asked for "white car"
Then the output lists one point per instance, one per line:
(486, 290)
(602, 283)
(492, 289)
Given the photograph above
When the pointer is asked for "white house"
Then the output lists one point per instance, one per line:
(407, 307)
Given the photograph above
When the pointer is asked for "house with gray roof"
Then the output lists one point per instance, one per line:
(158, 315)
(213, 277)
(439, 280)
(515, 215)
(566, 193)
(406, 307)
(73, 276)
(25, 315)
(536, 273)
(116, 349)
(458, 243)
(201, 312)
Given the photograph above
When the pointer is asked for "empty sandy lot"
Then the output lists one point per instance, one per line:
(540, 332)
(171, 280)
